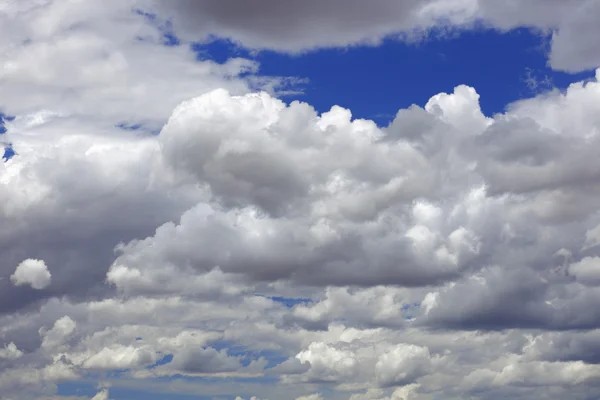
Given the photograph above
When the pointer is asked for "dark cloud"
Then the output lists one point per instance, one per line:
(295, 26)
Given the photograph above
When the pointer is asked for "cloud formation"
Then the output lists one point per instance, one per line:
(445, 219)
(33, 273)
(295, 26)
(242, 247)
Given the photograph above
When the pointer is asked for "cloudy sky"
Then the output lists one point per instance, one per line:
(299, 200)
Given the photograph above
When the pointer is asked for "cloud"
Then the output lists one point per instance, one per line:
(587, 270)
(119, 358)
(402, 364)
(364, 363)
(102, 395)
(302, 26)
(11, 352)
(105, 67)
(56, 336)
(206, 361)
(106, 62)
(417, 245)
(316, 396)
(330, 204)
(33, 273)
(450, 254)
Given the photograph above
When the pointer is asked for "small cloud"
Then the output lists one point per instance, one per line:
(537, 82)
(33, 273)
(102, 395)
(316, 396)
(10, 352)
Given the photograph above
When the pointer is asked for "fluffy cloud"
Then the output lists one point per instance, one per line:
(33, 273)
(338, 197)
(63, 328)
(364, 363)
(11, 352)
(425, 189)
(259, 248)
(73, 73)
(119, 357)
(425, 203)
(81, 58)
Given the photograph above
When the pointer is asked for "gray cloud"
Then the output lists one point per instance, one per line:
(301, 26)
(448, 255)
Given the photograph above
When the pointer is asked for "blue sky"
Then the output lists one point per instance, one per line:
(376, 81)
(172, 227)
(7, 153)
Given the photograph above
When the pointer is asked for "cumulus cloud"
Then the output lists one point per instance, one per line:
(32, 272)
(119, 357)
(385, 234)
(107, 84)
(63, 328)
(441, 203)
(338, 204)
(103, 60)
(363, 362)
(239, 240)
(10, 352)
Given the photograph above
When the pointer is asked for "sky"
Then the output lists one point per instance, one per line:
(303, 200)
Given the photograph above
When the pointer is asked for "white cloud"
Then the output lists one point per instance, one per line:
(101, 395)
(11, 352)
(315, 396)
(120, 357)
(450, 254)
(364, 363)
(105, 62)
(402, 364)
(56, 336)
(442, 198)
(33, 273)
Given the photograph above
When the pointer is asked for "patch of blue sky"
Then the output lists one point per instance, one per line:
(123, 388)
(164, 26)
(410, 310)
(129, 127)
(3, 119)
(247, 355)
(118, 393)
(166, 359)
(80, 388)
(197, 388)
(375, 82)
(9, 153)
(273, 358)
(288, 302)
(136, 127)
(232, 348)
(6, 150)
